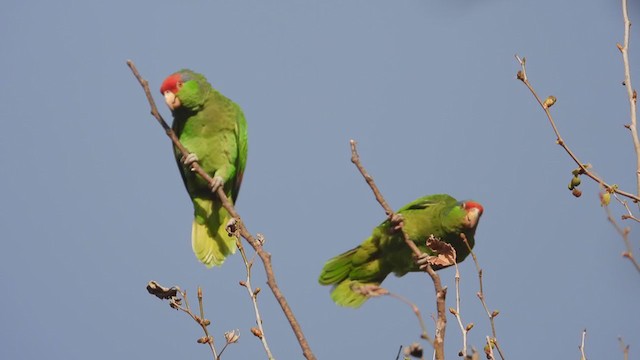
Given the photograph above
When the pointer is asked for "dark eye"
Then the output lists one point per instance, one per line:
(179, 85)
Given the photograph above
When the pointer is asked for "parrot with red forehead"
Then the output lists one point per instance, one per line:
(385, 251)
(214, 130)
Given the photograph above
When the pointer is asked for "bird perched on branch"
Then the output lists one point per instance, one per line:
(214, 130)
(385, 251)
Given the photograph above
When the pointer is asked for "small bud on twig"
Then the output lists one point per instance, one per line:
(256, 332)
(256, 291)
(453, 311)
(549, 101)
(469, 326)
(576, 192)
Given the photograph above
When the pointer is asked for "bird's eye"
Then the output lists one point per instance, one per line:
(179, 85)
(464, 205)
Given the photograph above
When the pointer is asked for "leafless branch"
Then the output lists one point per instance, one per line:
(265, 257)
(624, 234)
(491, 314)
(584, 169)
(441, 292)
(456, 312)
(625, 349)
(581, 347)
(546, 105)
(253, 294)
(631, 92)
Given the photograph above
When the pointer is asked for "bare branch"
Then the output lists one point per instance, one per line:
(546, 105)
(441, 293)
(631, 92)
(581, 347)
(491, 314)
(256, 245)
(253, 294)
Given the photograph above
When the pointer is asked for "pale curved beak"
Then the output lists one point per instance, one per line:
(473, 215)
(172, 100)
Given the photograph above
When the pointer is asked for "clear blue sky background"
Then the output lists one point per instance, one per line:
(93, 206)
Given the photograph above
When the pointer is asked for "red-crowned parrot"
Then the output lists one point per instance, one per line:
(214, 130)
(385, 251)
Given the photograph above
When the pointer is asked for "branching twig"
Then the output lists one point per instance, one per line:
(441, 292)
(581, 347)
(416, 310)
(253, 294)
(456, 312)
(584, 169)
(624, 234)
(625, 349)
(631, 92)
(265, 257)
(491, 314)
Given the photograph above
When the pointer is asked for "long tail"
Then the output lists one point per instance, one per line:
(209, 238)
(342, 273)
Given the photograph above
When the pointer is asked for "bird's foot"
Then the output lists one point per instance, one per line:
(216, 182)
(397, 222)
(423, 261)
(188, 160)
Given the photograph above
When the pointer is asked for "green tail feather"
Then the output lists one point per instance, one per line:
(338, 272)
(209, 239)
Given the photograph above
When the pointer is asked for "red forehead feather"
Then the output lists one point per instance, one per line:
(171, 83)
(473, 205)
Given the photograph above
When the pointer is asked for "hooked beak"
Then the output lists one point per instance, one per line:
(473, 215)
(172, 100)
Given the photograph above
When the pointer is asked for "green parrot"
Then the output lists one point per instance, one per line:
(214, 130)
(385, 251)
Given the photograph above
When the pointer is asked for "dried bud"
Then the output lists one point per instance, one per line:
(469, 326)
(453, 311)
(619, 47)
(549, 101)
(242, 283)
(261, 239)
(256, 291)
(205, 340)
(495, 313)
(232, 336)
(577, 193)
(605, 198)
(520, 75)
(199, 292)
(414, 350)
(256, 332)
(206, 322)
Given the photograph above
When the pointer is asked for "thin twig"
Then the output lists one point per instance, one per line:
(631, 92)
(416, 311)
(624, 348)
(204, 323)
(491, 314)
(253, 294)
(613, 189)
(624, 234)
(584, 169)
(625, 204)
(581, 347)
(265, 257)
(441, 292)
(463, 329)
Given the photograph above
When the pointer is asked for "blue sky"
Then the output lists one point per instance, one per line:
(93, 206)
